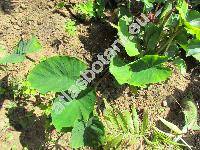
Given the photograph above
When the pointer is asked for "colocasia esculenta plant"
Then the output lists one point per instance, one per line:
(160, 40)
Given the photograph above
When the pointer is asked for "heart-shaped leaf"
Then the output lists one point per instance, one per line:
(56, 74)
(148, 69)
(124, 35)
(64, 114)
(23, 48)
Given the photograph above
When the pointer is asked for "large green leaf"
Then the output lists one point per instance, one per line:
(56, 74)
(146, 70)
(193, 48)
(89, 134)
(64, 114)
(151, 37)
(124, 36)
(77, 139)
(192, 23)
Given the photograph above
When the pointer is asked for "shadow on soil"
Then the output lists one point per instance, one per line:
(100, 37)
(34, 133)
(176, 115)
(4, 91)
(31, 127)
(7, 5)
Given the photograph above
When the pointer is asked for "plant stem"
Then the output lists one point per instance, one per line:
(166, 46)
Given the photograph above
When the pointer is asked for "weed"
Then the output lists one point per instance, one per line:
(90, 9)
(70, 27)
(21, 50)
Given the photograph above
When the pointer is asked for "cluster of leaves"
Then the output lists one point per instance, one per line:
(124, 129)
(158, 42)
(21, 51)
(150, 52)
(90, 9)
(49, 76)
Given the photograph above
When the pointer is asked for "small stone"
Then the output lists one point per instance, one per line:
(164, 103)
(23, 6)
(16, 27)
(19, 23)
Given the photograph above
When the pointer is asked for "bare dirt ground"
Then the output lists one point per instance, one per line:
(39, 17)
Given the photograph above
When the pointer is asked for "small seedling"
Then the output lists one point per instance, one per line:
(21, 50)
(86, 10)
(70, 27)
(60, 5)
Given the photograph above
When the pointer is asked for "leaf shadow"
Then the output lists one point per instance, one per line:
(176, 115)
(7, 6)
(7, 93)
(31, 127)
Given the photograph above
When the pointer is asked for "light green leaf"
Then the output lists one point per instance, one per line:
(191, 113)
(182, 7)
(192, 23)
(110, 115)
(60, 72)
(148, 69)
(121, 121)
(148, 4)
(166, 10)
(77, 139)
(135, 120)
(114, 142)
(145, 122)
(65, 114)
(124, 35)
(23, 48)
(180, 63)
(129, 120)
(12, 58)
(193, 48)
(31, 46)
(171, 126)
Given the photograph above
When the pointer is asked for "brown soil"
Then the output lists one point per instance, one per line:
(39, 17)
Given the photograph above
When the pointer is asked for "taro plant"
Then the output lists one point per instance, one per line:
(153, 41)
(21, 50)
(145, 62)
(57, 74)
